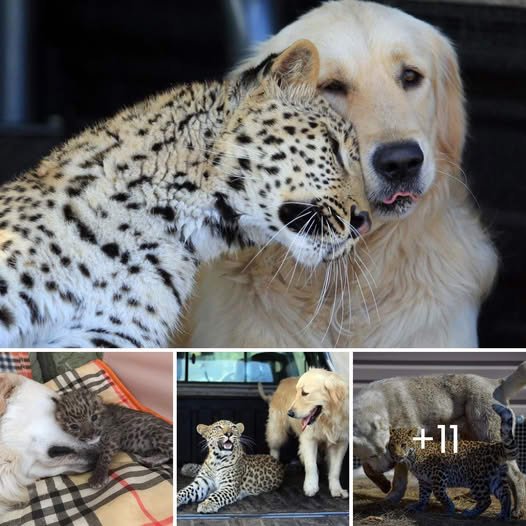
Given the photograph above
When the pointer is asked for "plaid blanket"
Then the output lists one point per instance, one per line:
(135, 496)
(15, 362)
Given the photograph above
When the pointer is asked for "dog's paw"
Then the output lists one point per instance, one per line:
(207, 506)
(310, 487)
(338, 491)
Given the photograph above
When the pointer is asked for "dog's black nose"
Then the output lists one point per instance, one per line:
(291, 413)
(398, 161)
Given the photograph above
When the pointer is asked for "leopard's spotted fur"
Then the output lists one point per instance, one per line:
(480, 466)
(228, 474)
(99, 244)
(109, 428)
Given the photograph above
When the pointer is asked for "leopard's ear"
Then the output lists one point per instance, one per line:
(241, 427)
(300, 62)
(201, 429)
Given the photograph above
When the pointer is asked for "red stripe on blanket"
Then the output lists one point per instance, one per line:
(140, 503)
(116, 387)
(164, 522)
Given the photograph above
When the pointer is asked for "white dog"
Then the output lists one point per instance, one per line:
(28, 431)
(427, 401)
(420, 275)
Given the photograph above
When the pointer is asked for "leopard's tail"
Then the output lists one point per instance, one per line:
(190, 470)
(262, 393)
(506, 431)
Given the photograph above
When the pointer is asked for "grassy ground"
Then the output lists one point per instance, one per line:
(369, 509)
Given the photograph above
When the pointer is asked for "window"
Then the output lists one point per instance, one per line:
(239, 367)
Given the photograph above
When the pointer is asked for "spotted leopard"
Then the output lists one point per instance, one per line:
(480, 466)
(228, 474)
(99, 244)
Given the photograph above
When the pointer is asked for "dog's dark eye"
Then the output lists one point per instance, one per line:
(303, 393)
(335, 87)
(335, 146)
(410, 78)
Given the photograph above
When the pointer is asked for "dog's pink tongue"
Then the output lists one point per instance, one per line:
(305, 422)
(394, 197)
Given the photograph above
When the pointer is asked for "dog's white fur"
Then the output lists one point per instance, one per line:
(27, 430)
(317, 387)
(427, 401)
(428, 272)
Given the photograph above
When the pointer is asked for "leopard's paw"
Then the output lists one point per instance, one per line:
(97, 481)
(207, 506)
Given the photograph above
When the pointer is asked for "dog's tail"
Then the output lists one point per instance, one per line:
(511, 384)
(506, 431)
(265, 397)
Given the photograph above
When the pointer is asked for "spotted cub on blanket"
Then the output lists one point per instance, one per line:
(228, 474)
(479, 466)
(109, 428)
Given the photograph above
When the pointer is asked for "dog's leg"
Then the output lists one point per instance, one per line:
(308, 454)
(517, 485)
(378, 478)
(335, 454)
(399, 484)
(276, 432)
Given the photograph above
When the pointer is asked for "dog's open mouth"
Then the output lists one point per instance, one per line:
(311, 417)
(227, 445)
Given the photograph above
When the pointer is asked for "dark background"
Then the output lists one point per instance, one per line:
(84, 60)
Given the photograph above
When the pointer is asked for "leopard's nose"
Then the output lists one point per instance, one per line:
(360, 222)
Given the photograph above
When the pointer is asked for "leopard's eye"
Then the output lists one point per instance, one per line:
(94, 418)
(75, 427)
(410, 78)
(335, 87)
(335, 146)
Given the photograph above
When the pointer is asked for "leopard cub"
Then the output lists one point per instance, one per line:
(479, 466)
(108, 428)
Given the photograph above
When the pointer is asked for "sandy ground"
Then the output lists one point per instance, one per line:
(369, 509)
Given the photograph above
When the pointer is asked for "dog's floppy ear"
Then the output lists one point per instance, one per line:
(300, 62)
(337, 390)
(241, 427)
(449, 94)
(201, 429)
(8, 382)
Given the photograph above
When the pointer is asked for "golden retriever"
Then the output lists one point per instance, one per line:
(420, 275)
(316, 408)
